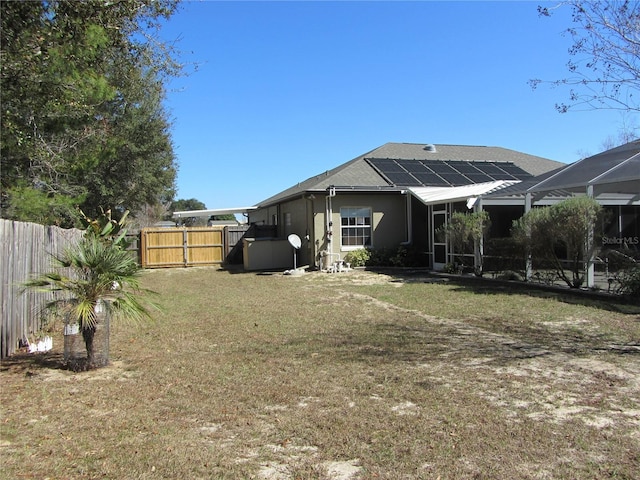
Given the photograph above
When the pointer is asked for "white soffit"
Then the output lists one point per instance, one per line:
(468, 193)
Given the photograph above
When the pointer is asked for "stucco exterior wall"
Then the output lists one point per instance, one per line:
(263, 216)
(295, 218)
(389, 220)
(305, 216)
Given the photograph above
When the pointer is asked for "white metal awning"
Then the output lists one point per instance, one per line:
(466, 193)
(208, 213)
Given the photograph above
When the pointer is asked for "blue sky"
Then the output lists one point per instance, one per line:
(286, 90)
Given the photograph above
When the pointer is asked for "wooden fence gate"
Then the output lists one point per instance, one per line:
(181, 247)
(196, 246)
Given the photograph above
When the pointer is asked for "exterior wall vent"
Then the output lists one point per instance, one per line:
(430, 148)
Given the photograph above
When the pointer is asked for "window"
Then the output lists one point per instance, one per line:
(355, 227)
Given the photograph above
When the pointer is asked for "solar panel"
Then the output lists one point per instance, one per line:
(516, 171)
(455, 179)
(465, 167)
(413, 166)
(503, 176)
(404, 172)
(442, 168)
(403, 178)
(510, 167)
(479, 177)
(430, 179)
(388, 165)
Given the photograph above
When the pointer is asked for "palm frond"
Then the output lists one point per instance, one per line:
(95, 270)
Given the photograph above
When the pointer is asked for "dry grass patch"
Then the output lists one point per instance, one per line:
(349, 376)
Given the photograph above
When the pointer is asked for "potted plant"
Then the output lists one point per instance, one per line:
(93, 281)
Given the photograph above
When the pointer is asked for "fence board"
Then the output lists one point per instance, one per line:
(233, 236)
(25, 250)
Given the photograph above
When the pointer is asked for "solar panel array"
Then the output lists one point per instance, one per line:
(445, 173)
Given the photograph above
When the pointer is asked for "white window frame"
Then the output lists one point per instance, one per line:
(358, 221)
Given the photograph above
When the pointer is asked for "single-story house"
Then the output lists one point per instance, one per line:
(401, 193)
(397, 194)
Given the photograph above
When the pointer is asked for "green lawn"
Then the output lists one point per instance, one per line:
(346, 376)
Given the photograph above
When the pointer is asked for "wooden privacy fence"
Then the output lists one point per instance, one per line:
(25, 250)
(197, 246)
(188, 247)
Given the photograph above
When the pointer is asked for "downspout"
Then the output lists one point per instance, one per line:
(310, 232)
(331, 192)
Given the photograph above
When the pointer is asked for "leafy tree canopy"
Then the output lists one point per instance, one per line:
(182, 205)
(83, 123)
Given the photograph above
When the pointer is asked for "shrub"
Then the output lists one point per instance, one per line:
(451, 268)
(358, 258)
(510, 275)
(387, 257)
(463, 231)
(380, 257)
(629, 280)
(558, 232)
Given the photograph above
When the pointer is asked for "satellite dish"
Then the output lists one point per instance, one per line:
(295, 241)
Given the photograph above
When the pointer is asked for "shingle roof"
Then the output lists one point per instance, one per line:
(530, 163)
(522, 187)
(358, 173)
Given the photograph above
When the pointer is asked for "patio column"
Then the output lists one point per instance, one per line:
(590, 272)
(528, 267)
(478, 250)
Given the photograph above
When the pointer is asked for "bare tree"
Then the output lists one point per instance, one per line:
(604, 64)
(149, 214)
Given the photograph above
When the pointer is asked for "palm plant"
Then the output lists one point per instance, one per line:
(96, 271)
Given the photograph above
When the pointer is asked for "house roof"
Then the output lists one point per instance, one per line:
(359, 173)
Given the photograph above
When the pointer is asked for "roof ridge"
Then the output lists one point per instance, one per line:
(441, 144)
